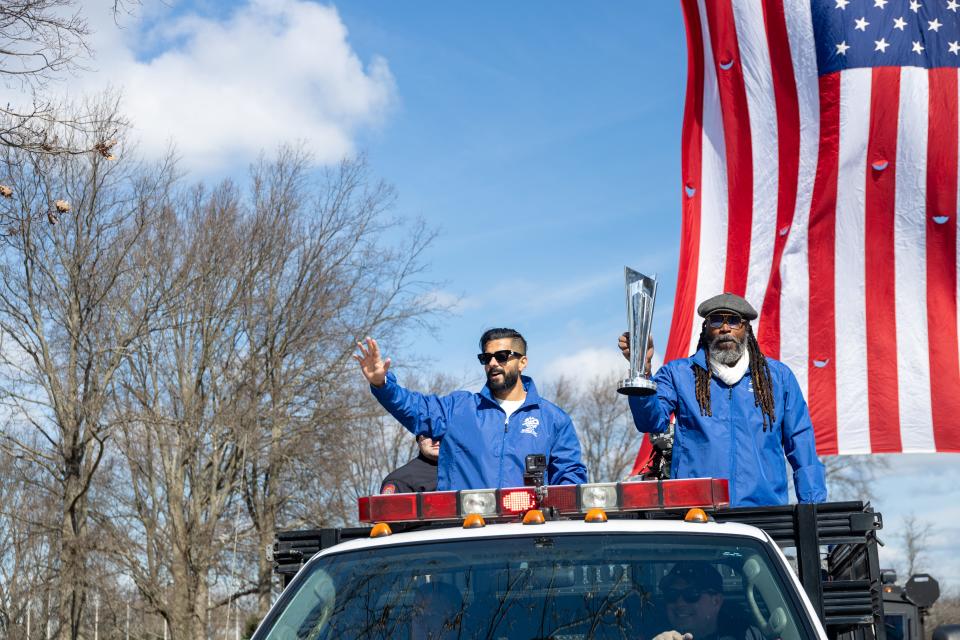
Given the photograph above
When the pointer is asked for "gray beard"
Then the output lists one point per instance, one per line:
(728, 357)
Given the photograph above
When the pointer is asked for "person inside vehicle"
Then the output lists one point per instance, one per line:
(484, 437)
(738, 412)
(437, 611)
(420, 474)
(692, 594)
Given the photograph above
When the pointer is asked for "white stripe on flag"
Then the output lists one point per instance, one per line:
(762, 113)
(713, 187)
(913, 361)
(794, 266)
(853, 419)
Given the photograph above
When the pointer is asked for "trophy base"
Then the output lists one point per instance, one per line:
(637, 387)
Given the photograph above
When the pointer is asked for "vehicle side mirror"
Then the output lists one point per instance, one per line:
(922, 589)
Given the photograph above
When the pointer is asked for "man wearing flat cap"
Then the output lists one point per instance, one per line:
(738, 413)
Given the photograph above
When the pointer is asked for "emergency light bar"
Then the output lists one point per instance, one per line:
(568, 499)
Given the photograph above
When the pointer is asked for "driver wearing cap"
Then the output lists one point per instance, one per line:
(738, 412)
(692, 596)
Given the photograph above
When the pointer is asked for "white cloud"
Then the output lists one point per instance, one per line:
(542, 296)
(274, 71)
(438, 299)
(591, 363)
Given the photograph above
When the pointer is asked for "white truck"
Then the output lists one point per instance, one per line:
(652, 559)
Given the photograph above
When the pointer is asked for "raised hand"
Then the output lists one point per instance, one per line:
(624, 344)
(373, 367)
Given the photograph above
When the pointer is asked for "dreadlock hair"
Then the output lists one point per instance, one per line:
(759, 374)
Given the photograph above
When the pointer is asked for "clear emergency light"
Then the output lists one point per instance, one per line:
(569, 499)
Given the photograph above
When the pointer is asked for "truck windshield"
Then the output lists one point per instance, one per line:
(551, 586)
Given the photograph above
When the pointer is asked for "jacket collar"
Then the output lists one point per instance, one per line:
(427, 460)
(700, 359)
(533, 398)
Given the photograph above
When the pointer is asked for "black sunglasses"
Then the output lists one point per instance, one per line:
(501, 356)
(690, 595)
(717, 320)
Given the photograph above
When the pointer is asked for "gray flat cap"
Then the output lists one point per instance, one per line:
(727, 302)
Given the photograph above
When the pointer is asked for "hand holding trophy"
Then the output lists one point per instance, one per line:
(641, 294)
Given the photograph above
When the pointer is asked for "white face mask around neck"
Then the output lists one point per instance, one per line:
(732, 374)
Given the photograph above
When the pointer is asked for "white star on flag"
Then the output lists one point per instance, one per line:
(881, 45)
(955, 48)
(899, 23)
(862, 24)
(952, 5)
(842, 48)
(842, 4)
(935, 25)
(917, 47)
(915, 6)
(880, 3)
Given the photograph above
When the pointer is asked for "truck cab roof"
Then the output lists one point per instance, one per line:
(557, 568)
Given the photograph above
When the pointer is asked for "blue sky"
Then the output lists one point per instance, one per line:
(540, 138)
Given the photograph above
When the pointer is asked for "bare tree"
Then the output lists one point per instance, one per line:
(608, 439)
(851, 477)
(370, 447)
(915, 540)
(328, 278)
(178, 400)
(244, 384)
(71, 305)
(27, 544)
(40, 42)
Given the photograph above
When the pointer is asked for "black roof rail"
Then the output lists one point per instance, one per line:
(837, 558)
(292, 549)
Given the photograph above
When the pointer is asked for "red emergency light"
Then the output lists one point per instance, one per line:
(707, 493)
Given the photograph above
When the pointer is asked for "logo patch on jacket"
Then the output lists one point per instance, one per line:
(530, 425)
(388, 488)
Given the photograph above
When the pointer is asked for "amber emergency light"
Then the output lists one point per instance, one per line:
(534, 516)
(595, 515)
(696, 515)
(473, 521)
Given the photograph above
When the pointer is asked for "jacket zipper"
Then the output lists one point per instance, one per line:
(503, 445)
(733, 446)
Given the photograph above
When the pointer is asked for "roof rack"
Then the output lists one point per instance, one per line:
(845, 589)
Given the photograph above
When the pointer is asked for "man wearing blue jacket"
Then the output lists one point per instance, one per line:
(484, 437)
(738, 413)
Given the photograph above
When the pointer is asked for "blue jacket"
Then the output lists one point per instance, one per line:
(732, 443)
(478, 448)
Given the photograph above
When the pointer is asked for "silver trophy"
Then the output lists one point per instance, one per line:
(641, 293)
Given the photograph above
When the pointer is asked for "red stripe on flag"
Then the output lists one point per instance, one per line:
(788, 149)
(942, 258)
(879, 273)
(736, 136)
(691, 164)
(821, 365)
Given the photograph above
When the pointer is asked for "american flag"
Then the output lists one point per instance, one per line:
(820, 145)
